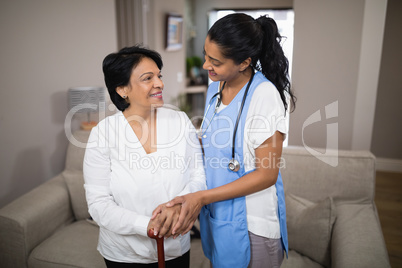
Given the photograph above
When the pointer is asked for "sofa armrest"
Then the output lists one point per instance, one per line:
(30, 219)
(357, 239)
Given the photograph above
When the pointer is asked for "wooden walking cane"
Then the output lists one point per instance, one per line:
(161, 250)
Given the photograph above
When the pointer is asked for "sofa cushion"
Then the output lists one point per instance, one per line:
(75, 184)
(72, 246)
(296, 260)
(357, 230)
(310, 227)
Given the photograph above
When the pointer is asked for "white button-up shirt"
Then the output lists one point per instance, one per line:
(124, 184)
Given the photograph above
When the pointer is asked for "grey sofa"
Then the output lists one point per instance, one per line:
(332, 218)
(331, 215)
(48, 227)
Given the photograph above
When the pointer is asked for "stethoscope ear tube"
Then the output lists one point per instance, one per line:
(199, 132)
(234, 165)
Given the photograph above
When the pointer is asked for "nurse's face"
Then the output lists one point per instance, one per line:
(219, 68)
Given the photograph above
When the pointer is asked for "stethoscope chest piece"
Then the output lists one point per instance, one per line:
(234, 165)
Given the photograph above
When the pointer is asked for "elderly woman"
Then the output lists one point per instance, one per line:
(140, 157)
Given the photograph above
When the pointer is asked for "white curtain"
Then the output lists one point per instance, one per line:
(132, 22)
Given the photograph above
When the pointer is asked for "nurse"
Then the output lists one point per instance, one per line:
(242, 214)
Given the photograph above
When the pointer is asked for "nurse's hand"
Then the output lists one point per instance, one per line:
(191, 205)
(163, 222)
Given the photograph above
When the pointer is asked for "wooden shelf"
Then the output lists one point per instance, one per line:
(196, 89)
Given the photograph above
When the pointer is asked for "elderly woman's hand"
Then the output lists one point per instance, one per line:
(163, 222)
(190, 208)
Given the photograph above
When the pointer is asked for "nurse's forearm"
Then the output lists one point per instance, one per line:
(192, 203)
(265, 175)
(251, 183)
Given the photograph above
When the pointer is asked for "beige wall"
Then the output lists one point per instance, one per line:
(174, 68)
(369, 72)
(336, 61)
(47, 46)
(326, 54)
(387, 131)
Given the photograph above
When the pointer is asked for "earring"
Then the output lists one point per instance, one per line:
(124, 96)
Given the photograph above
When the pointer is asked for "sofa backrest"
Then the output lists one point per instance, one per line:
(351, 179)
(73, 174)
(76, 150)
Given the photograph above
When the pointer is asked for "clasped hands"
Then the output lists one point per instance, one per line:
(175, 217)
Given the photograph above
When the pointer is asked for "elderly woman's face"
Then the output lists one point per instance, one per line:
(145, 87)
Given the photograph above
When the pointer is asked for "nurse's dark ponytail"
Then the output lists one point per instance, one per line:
(240, 36)
(274, 64)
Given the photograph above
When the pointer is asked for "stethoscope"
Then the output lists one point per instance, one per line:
(233, 165)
